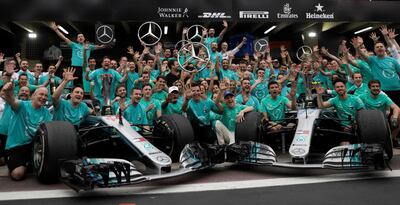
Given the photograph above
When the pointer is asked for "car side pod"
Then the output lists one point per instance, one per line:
(355, 156)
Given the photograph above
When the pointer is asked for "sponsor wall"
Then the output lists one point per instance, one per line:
(201, 10)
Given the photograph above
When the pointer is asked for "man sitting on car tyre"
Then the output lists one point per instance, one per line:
(377, 100)
(232, 113)
(346, 106)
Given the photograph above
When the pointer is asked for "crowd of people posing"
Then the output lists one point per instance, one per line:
(214, 93)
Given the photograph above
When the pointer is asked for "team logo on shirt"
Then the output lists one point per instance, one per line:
(388, 73)
(79, 53)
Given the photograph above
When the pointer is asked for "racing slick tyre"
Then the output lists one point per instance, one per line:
(54, 142)
(249, 128)
(173, 133)
(373, 128)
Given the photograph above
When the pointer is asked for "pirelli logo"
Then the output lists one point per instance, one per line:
(254, 14)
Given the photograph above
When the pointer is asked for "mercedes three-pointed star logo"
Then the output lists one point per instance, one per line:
(193, 52)
(194, 33)
(163, 159)
(303, 53)
(152, 33)
(260, 45)
(104, 34)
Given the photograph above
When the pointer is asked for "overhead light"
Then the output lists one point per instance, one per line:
(363, 30)
(270, 29)
(312, 34)
(63, 29)
(165, 30)
(32, 35)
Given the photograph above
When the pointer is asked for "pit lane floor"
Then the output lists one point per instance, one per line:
(223, 184)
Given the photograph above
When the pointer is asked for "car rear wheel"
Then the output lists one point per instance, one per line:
(373, 128)
(249, 128)
(172, 133)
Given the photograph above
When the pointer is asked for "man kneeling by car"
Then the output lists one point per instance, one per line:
(28, 115)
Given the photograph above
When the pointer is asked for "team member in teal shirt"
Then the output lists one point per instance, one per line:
(151, 105)
(99, 76)
(28, 115)
(120, 98)
(231, 114)
(274, 105)
(377, 100)
(358, 88)
(260, 87)
(77, 51)
(172, 105)
(345, 105)
(134, 113)
(245, 97)
(211, 35)
(73, 110)
(383, 68)
(132, 76)
(159, 92)
(198, 110)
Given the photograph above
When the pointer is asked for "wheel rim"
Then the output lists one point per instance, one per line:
(165, 140)
(166, 144)
(38, 151)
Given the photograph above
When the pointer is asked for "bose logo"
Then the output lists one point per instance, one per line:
(216, 15)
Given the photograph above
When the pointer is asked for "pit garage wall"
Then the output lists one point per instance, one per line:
(199, 10)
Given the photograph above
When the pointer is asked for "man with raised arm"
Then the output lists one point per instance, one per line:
(72, 110)
(28, 115)
(198, 110)
(274, 105)
(101, 74)
(231, 114)
(77, 51)
(385, 69)
(346, 105)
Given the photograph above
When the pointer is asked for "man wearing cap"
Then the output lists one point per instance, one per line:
(172, 105)
(276, 66)
(231, 114)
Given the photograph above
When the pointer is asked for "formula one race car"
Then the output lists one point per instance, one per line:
(106, 152)
(107, 143)
(315, 137)
(314, 142)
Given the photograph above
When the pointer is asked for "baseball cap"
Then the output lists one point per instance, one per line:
(228, 93)
(275, 60)
(172, 89)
